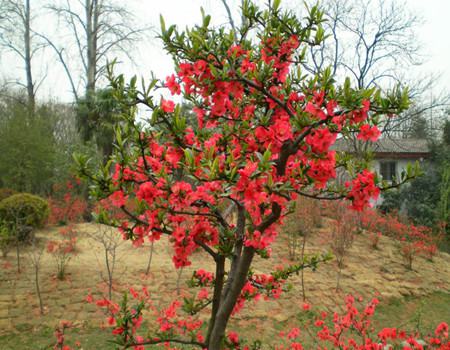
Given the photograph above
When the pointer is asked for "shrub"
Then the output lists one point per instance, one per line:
(6, 192)
(67, 204)
(24, 212)
(5, 239)
(62, 252)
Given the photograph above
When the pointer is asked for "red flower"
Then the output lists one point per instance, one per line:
(118, 199)
(167, 106)
(368, 133)
(233, 337)
(172, 85)
(118, 331)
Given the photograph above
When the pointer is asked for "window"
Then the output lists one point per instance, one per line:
(388, 170)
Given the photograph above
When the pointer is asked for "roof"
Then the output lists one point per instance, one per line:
(388, 146)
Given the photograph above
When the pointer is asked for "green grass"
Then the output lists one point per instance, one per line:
(415, 313)
(410, 313)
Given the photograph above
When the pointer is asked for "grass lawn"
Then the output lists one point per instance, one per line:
(409, 313)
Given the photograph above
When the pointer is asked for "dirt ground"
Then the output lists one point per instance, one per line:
(367, 273)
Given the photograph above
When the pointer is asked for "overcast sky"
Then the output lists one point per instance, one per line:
(434, 35)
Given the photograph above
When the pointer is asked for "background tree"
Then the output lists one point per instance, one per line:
(28, 147)
(96, 116)
(100, 29)
(17, 36)
(35, 258)
(375, 43)
(110, 241)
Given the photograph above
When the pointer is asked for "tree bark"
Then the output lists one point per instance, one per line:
(220, 274)
(27, 42)
(147, 271)
(92, 14)
(38, 289)
(302, 272)
(227, 305)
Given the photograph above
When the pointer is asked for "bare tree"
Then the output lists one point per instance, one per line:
(98, 29)
(368, 40)
(342, 237)
(299, 226)
(17, 36)
(110, 241)
(375, 43)
(35, 256)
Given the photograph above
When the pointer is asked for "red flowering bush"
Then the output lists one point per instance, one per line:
(261, 137)
(413, 240)
(63, 250)
(353, 329)
(67, 205)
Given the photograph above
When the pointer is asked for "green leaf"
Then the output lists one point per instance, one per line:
(163, 24)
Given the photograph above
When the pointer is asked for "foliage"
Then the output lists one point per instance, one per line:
(96, 115)
(6, 239)
(6, 192)
(444, 200)
(263, 137)
(24, 210)
(28, 147)
(446, 133)
(418, 198)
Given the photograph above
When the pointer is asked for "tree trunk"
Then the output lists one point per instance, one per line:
(27, 44)
(303, 270)
(92, 14)
(338, 280)
(147, 271)
(38, 290)
(226, 307)
(18, 254)
(109, 271)
(218, 288)
(179, 272)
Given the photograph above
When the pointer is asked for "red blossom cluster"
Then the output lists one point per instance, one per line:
(362, 190)
(66, 204)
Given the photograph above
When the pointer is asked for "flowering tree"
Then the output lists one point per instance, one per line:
(261, 136)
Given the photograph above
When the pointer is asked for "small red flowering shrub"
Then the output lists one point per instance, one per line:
(63, 250)
(260, 138)
(374, 238)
